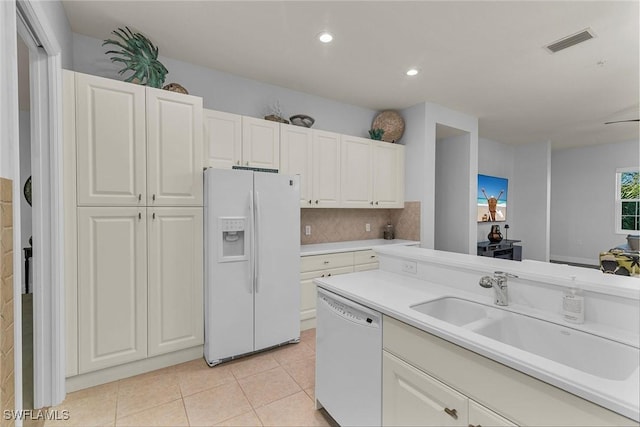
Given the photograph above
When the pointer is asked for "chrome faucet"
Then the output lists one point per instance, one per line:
(499, 283)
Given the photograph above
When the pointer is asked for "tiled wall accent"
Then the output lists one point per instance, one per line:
(7, 389)
(340, 225)
(407, 221)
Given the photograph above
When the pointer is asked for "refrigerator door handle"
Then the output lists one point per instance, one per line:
(252, 243)
(257, 243)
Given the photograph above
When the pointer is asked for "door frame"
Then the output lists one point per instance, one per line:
(45, 64)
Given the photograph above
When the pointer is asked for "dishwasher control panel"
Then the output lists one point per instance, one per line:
(349, 312)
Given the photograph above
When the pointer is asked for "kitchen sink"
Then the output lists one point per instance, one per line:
(456, 311)
(580, 350)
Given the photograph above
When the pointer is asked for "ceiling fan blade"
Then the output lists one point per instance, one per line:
(622, 121)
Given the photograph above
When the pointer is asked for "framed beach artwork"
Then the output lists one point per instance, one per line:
(492, 198)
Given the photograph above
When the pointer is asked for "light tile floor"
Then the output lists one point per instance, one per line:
(273, 388)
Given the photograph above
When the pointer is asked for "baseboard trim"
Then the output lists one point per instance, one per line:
(103, 376)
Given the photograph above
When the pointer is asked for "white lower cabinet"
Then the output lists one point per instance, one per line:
(140, 286)
(112, 291)
(175, 282)
(412, 398)
(426, 378)
(326, 265)
(480, 416)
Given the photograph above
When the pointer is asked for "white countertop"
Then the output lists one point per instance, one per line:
(393, 294)
(353, 245)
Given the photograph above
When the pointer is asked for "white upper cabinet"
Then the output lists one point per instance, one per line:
(111, 142)
(233, 140)
(296, 158)
(222, 139)
(326, 170)
(137, 145)
(372, 174)
(356, 176)
(174, 149)
(388, 175)
(260, 143)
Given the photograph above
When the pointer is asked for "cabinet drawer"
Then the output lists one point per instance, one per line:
(365, 257)
(412, 398)
(310, 275)
(327, 261)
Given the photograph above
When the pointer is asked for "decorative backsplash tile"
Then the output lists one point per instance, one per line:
(340, 225)
(7, 396)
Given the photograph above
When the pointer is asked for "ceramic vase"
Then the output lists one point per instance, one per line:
(494, 235)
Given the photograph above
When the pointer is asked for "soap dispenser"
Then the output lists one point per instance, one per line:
(573, 304)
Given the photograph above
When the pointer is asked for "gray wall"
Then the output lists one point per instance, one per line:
(233, 94)
(452, 188)
(583, 200)
(530, 196)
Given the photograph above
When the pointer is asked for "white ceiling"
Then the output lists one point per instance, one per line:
(483, 58)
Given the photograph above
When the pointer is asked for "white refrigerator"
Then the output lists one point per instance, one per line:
(252, 262)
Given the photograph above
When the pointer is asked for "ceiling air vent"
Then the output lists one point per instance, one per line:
(569, 41)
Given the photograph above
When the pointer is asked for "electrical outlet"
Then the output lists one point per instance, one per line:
(367, 227)
(410, 267)
(307, 230)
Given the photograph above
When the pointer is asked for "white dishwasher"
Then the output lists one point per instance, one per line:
(348, 360)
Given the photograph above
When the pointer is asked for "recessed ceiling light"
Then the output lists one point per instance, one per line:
(325, 37)
(412, 72)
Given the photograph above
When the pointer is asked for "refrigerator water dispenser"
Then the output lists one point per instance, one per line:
(232, 245)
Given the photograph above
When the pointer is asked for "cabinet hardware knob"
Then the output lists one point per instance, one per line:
(376, 203)
(153, 216)
(322, 275)
(140, 197)
(373, 256)
(371, 203)
(153, 197)
(237, 162)
(477, 425)
(310, 202)
(326, 262)
(316, 202)
(329, 274)
(452, 413)
(139, 215)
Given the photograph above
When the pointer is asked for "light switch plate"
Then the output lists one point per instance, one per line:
(307, 230)
(367, 227)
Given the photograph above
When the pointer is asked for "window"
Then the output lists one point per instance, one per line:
(627, 200)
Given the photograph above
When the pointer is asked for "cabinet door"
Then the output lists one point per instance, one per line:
(174, 149)
(176, 289)
(388, 175)
(222, 139)
(326, 169)
(481, 416)
(412, 398)
(356, 189)
(260, 143)
(111, 142)
(308, 292)
(112, 286)
(296, 158)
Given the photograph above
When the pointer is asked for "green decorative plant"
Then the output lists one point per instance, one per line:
(376, 134)
(139, 55)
